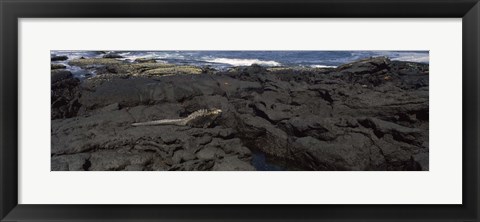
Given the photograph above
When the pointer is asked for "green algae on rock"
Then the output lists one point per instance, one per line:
(173, 70)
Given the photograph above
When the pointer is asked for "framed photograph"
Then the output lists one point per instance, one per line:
(239, 110)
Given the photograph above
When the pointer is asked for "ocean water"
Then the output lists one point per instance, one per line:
(226, 59)
(260, 162)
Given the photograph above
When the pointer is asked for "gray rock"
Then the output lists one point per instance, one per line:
(57, 66)
(348, 152)
(210, 152)
(423, 160)
(134, 168)
(74, 162)
(58, 75)
(182, 156)
(260, 133)
(232, 163)
(107, 160)
(204, 140)
(112, 56)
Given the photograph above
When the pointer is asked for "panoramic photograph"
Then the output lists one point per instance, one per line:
(239, 110)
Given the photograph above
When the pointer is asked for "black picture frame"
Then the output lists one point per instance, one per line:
(12, 10)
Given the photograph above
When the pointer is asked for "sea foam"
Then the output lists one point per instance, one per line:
(413, 58)
(243, 62)
(322, 66)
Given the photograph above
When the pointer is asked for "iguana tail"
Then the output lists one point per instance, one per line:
(179, 122)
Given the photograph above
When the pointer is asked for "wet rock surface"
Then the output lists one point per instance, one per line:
(57, 66)
(65, 93)
(368, 115)
(59, 58)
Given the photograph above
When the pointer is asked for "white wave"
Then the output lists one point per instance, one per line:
(72, 54)
(134, 57)
(243, 62)
(413, 58)
(322, 66)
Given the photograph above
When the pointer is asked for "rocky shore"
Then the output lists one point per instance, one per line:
(371, 114)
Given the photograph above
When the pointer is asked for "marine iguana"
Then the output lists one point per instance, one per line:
(200, 118)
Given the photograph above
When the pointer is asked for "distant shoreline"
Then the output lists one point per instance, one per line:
(81, 64)
(227, 59)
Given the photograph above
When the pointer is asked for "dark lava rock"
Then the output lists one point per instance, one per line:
(366, 66)
(369, 72)
(59, 75)
(348, 152)
(58, 58)
(64, 94)
(367, 115)
(145, 60)
(232, 163)
(112, 56)
(57, 66)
